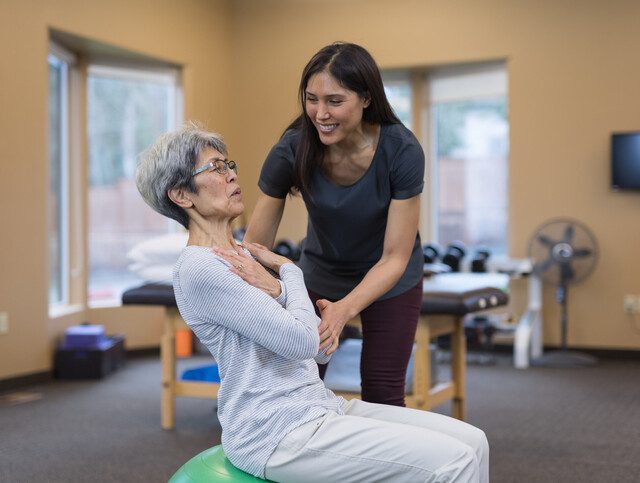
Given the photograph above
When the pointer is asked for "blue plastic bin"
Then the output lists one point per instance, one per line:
(207, 373)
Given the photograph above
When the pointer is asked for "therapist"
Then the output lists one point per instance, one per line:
(360, 173)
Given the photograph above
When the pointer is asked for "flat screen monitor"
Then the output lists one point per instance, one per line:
(625, 161)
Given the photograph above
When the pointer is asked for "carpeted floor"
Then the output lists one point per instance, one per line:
(543, 425)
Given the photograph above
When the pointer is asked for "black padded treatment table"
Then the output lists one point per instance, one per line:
(448, 298)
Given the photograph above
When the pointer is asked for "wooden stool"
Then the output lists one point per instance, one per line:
(157, 294)
(423, 395)
(171, 386)
(445, 304)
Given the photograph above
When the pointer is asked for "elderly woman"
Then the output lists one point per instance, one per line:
(278, 419)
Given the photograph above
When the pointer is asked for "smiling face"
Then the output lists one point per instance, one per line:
(219, 195)
(335, 111)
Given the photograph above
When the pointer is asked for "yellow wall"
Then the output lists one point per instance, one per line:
(193, 33)
(573, 78)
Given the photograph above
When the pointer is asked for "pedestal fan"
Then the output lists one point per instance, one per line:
(564, 252)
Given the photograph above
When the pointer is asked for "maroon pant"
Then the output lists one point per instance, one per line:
(388, 333)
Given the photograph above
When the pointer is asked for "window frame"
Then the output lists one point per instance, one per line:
(75, 170)
(62, 57)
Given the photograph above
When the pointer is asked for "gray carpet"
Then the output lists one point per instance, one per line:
(543, 425)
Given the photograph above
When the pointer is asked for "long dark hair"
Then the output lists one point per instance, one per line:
(354, 68)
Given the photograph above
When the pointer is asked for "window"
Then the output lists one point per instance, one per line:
(57, 196)
(127, 109)
(466, 139)
(469, 146)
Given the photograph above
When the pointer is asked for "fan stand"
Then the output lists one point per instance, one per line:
(563, 358)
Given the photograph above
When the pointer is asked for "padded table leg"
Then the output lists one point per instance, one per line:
(171, 386)
(424, 396)
(168, 358)
(432, 326)
(421, 368)
(458, 369)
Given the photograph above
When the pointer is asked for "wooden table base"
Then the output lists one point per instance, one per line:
(171, 387)
(423, 397)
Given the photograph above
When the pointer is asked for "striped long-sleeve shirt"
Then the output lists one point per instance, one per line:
(265, 351)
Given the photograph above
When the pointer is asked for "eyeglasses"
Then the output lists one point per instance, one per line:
(218, 165)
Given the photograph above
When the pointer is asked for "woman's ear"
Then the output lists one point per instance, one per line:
(366, 100)
(180, 197)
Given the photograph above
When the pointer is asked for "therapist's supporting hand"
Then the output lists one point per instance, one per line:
(250, 270)
(334, 316)
(265, 256)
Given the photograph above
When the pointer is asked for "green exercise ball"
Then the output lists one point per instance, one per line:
(211, 465)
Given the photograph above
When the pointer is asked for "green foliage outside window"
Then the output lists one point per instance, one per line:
(450, 118)
(122, 124)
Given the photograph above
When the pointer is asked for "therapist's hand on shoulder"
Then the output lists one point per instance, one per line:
(252, 271)
(265, 256)
(334, 316)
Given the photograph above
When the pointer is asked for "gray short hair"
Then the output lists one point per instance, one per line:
(168, 164)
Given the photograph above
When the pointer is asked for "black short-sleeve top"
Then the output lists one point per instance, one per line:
(346, 226)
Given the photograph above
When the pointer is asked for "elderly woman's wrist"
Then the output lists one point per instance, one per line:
(288, 263)
(276, 290)
(277, 265)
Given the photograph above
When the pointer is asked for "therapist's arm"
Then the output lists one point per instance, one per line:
(399, 238)
(265, 220)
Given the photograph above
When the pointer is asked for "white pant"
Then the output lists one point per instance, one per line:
(378, 443)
